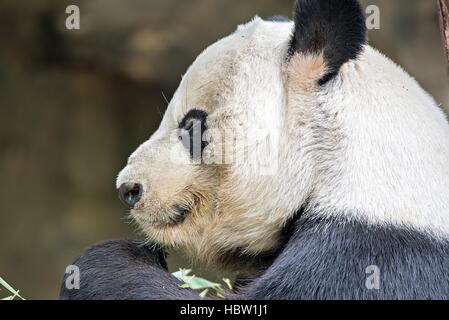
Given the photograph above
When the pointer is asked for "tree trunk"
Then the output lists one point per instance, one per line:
(443, 6)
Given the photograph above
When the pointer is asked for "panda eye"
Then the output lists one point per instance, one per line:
(191, 130)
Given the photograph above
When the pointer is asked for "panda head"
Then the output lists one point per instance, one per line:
(260, 127)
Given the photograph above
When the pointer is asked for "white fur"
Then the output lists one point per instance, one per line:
(371, 144)
(395, 167)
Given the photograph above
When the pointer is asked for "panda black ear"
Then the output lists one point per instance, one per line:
(334, 28)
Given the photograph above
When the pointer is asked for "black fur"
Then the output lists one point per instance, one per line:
(335, 27)
(192, 128)
(328, 259)
(323, 259)
(124, 270)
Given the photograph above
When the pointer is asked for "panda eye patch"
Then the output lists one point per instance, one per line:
(191, 130)
(194, 114)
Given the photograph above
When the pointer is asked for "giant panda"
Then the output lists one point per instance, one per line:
(359, 178)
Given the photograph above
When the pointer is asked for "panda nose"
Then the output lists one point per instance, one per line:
(130, 194)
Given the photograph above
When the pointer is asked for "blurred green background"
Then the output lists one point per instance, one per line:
(75, 104)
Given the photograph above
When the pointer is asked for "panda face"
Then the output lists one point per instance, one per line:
(210, 176)
(282, 119)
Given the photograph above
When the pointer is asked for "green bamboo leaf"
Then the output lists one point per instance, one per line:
(182, 275)
(10, 289)
(196, 283)
(7, 298)
(200, 284)
(7, 286)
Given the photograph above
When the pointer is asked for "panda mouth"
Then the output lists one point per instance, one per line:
(176, 217)
(181, 213)
(169, 217)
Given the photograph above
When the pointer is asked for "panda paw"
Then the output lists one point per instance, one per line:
(117, 269)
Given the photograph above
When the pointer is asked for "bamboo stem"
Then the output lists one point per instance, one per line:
(443, 6)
